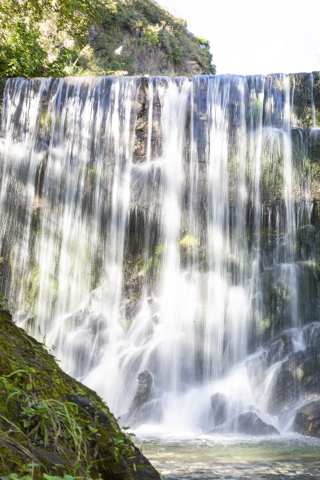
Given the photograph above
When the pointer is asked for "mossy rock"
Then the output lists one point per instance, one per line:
(281, 289)
(53, 423)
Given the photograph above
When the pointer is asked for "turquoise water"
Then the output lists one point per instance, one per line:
(234, 457)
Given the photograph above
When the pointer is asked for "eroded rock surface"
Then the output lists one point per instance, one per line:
(307, 420)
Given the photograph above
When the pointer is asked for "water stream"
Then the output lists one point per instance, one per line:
(168, 226)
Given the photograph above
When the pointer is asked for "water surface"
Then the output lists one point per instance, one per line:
(230, 457)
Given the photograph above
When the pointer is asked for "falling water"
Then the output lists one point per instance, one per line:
(165, 226)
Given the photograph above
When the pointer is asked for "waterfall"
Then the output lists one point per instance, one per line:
(166, 226)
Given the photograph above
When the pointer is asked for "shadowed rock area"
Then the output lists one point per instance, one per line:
(307, 420)
(52, 421)
(145, 406)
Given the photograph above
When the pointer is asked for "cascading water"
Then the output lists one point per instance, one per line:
(168, 227)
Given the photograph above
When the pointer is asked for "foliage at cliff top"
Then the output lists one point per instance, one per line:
(97, 37)
(52, 426)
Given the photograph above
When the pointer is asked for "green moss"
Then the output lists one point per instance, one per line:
(139, 265)
(44, 422)
(188, 243)
(98, 38)
(189, 249)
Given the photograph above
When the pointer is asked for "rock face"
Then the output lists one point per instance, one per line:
(299, 375)
(144, 389)
(307, 420)
(54, 422)
(145, 408)
(219, 408)
(246, 423)
(277, 296)
(250, 424)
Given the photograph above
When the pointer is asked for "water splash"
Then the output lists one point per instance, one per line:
(183, 262)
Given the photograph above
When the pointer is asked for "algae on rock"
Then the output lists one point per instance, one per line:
(53, 422)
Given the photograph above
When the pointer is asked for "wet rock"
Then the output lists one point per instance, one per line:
(298, 377)
(19, 445)
(307, 420)
(133, 286)
(131, 307)
(286, 388)
(311, 335)
(146, 470)
(247, 423)
(278, 349)
(153, 304)
(97, 322)
(150, 412)
(78, 318)
(304, 91)
(278, 292)
(145, 408)
(219, 408)
(250, 424)
(87, 406)
(144, 390)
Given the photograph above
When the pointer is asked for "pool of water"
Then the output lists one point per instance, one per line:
(230, 457)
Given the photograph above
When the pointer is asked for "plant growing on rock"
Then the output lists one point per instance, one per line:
(51, 426)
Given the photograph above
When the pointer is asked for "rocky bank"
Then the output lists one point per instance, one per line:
(52, 424)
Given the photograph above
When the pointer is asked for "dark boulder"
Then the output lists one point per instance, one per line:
(250, 424)
(298, 376)
(145, 407)
(286, 387)
(87, 406)
(246, 423)
(219, 408)
(279, 348)
(307, 420)
(276, 350)
(311, 335)
(278, 294)
(144, 390)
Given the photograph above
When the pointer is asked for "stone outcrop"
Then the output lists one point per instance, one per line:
(52, 421)
(219, 408)
(307, 420)
(146, 407)
(144, 390)
(250, 424)
(299, 375)
(246, 423)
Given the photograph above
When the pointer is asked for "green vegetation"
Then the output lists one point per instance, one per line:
(83, 37)
(35, 35)
(3, 302)
(52, 426)
(189, 249)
